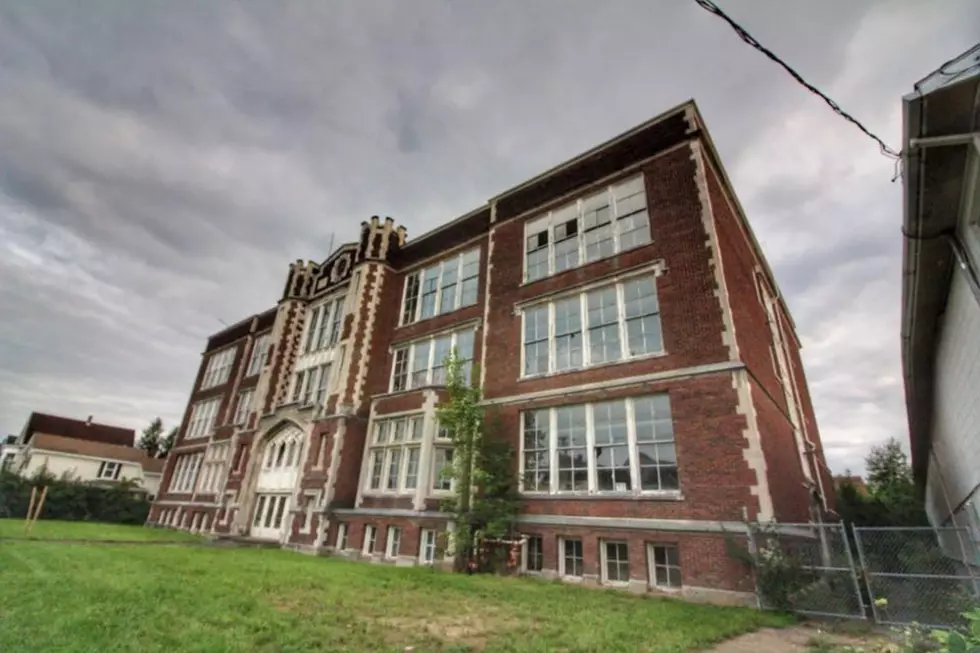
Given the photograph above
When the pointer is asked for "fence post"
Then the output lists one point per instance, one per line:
(864, 573)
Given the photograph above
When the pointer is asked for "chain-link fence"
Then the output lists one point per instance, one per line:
(919, 575)
(806, 568)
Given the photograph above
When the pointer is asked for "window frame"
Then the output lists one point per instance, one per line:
(218, 368)
(340, 542)
(563, 557)
(659, 401)
(369, 544)
(415, 281)
(426, 548)
(653, 566)
(550, 305)
(183, 480)
(105, 475)
(536, 551)
(243, 406)
(381, 446)
(324, 324)
(198, 425)
(547, 221)
(403, 360)
(397, 532)
(604, 562)
(257, 359)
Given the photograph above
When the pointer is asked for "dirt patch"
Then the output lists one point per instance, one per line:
(799, 639)
(471, 629)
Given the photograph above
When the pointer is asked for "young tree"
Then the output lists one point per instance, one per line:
(150, 439)
(888, 467)
(166, 443)
(892, 498)
(485, 496)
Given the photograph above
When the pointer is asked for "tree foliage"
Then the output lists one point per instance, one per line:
(152, 438)
(166, 443)
(892, 498)
(72, 500)
(485, 499)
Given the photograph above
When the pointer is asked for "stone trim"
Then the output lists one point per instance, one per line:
(390, 512)
(653, 377)
(630, 523)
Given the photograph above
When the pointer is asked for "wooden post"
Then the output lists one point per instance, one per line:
(40, 507)
(30, 508)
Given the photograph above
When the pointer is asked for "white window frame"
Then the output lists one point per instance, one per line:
(369, 544)
(547, 222)
(340, 543)
(404, 356)
(586, 355)
(653, 565)
(603, 560)
(416, 278)
(563, 565)
(243, 404)
(218, 368)
(215, 459)
(324, 324)
(204, 414)
(185, 473)
(109, 470)
(391, 552)
(383, 446)
(590, 445)
(441, 443)
(526, 553)
(312, 501)
(427, 548)
(260, 349)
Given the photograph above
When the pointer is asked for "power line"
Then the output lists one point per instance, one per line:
(710, 6)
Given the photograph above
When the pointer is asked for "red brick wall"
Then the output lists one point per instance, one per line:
(690, 314)
(755, 343)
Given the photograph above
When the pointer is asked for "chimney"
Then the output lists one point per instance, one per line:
(88, 422)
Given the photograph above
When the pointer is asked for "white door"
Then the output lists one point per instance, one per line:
(281, 455)
(269, 516)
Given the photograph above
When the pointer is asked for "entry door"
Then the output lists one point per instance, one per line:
(270, 516)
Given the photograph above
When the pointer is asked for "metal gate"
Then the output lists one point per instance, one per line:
(809, 569)
(918, 575)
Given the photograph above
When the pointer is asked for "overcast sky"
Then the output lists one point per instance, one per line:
(161, 163)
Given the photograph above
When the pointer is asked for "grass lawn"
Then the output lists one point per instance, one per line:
(81, 597)
(88, 531)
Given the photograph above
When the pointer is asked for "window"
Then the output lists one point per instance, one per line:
(600, 225)
(310, 386)
(393, 543)
(341, 543)
(109, 470)
(534, 558)
(393, 457)
(665, 565)
(622, 446)
(324, 325)
(370, 535)
(242, 406)
(322, 384)
(615, 562)
(441, 288)
(214, 467)
(427, 546)
(620, 321)
(311, 502)
(571, 558)
(284, 450)
(442, 459)
(219, 368)
(423, 363)
(203, 415)
(259, 350)
(185, 472)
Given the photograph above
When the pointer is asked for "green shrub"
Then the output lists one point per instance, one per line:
(72, 500)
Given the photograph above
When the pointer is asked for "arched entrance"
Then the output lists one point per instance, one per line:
(281, 455)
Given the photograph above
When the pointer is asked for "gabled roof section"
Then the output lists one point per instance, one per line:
(57, 443)
(82, 430)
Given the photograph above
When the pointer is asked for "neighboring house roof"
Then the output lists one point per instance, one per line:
(77, 429)
(941, 146)
(57, 443)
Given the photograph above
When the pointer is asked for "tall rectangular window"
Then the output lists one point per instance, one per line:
(442, 458)
(219, 368)
(446, 286)
(427, 546)
(393, 542)
(242, 406)
(615, 562)
(322, 384)
(612, 323)
(341, 543)
(258, 357)
(591, 228)
(572, 558)
(370, 535)
(665, 565)
(423, 362)
(534, 561)
(203, 416)
(323, 328)
(394, 453)
(624, 446)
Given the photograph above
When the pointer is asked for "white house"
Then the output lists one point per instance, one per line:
(941, 293)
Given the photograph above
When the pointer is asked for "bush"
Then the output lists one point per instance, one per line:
(72, 500)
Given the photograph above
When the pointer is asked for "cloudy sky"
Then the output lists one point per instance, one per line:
(161, 163)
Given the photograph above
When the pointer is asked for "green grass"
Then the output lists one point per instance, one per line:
(43, 530)
(76, 598)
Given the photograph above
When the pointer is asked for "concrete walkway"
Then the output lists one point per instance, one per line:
(786, 640)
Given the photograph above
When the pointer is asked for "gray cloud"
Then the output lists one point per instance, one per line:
(162, 166)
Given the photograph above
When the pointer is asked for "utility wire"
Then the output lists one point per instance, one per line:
(710, 6)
